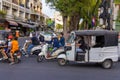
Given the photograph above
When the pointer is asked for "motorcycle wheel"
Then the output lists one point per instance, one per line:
(40, 58)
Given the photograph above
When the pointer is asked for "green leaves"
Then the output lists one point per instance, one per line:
(86, 9)
(117, 1)
(2, 13)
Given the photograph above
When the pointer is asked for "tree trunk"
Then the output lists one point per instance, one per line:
(65, 25)
(74, 22)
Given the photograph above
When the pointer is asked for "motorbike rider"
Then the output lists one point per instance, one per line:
(56, 45)
(4, 48)
(14, 48)
(62, 40)
(34, 41)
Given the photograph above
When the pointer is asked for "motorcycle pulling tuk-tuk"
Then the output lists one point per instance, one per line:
(101, 47)
(47, 49)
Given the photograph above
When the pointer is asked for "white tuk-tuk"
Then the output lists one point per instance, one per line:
(101, 47)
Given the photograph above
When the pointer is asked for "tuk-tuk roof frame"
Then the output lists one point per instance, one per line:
(111, 37)
(95, 33)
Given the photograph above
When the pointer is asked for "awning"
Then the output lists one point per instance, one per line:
(23, 24)
(27, 25)
(13, 23)
(31, 26)
(34, 24)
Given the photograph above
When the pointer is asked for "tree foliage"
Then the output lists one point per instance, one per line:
(2, 13)
(117, 1)
(76, 9)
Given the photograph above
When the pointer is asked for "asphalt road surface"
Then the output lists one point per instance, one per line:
(30, 69)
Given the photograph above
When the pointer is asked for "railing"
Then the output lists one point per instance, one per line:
(21, 8)
(8, 0)
(15, 6)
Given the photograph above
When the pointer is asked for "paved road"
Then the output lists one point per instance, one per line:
(29, 69)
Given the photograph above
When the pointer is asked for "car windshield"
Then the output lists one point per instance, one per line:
(70, 38)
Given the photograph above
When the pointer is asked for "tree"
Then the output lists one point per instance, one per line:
(88, 12)
(59, 27)
(117, 1)
(2, 14)
(73, 10)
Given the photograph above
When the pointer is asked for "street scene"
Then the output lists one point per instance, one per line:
(59, 39)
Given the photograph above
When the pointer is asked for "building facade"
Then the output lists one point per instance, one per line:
(58, 21)
(22, 15)
(23, 10)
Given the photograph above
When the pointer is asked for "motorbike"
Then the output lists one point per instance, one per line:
(17, 57)
(46, 51)
(34, 51)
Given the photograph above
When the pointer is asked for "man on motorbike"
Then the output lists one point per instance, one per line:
(62, 40)
(3, 49)
(34, 41)
(55, 43)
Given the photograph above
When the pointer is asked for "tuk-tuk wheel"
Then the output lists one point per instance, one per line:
(107, 64)
(62, 62)
(40, 58)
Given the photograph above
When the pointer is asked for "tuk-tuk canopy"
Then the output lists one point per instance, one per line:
(110, 37)
(95, 33)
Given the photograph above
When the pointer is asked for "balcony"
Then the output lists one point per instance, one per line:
(15, 1)
(27, 10)
(6, 3)
(8, 0)
(14, 6)
(22, 9)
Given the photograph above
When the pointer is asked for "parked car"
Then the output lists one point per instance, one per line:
(47, 35)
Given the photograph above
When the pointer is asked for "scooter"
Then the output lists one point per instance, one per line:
(46, 50)
(34, 51)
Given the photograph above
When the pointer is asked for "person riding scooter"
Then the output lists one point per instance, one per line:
(56, 45)
(34, 41)
(14, 48)
(4, 48)
(62, 40)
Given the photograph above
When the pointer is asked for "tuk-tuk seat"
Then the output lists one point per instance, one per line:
(81, 52)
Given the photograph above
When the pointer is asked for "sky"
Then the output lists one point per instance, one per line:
(47, 10)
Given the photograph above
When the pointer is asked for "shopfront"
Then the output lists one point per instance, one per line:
(10, 25)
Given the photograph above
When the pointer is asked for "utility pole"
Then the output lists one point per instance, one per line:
(106, 15)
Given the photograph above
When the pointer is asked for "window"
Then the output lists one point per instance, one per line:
(71, 38)
(99, 41)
